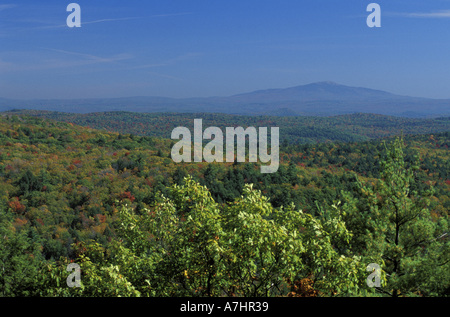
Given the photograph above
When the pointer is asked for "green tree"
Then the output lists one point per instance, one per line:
(392, 227)
(195, 247)
(20, 260)
(102, 274)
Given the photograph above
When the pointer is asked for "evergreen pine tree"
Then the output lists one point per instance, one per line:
(393, 228)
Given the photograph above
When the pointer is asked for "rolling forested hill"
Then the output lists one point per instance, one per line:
(298, 129)
(63, 188)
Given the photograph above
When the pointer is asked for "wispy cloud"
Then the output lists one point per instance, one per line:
(62, 59)
(88, 22)
(442, 14)
(4, 65)
(93, 58)
(169, 62)
(170, 14)
(49, 25)
(165, 76)
(7, 6)
(111, 20)
(29, 61)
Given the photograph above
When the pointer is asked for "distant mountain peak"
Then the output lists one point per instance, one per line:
(323, 90)
(330, 83)
(319, 98)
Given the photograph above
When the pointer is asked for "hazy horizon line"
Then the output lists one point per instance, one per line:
(221, 96)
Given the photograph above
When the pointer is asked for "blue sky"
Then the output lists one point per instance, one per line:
(187, 48)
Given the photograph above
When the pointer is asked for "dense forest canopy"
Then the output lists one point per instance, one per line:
(298, 129)
(141, 225)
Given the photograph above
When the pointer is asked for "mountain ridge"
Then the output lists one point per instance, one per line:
(315, 99)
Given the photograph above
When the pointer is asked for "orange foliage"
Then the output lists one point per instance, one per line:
(101, 218)
(303, 288)
(19, 222)
(16, 206)
(127, 195)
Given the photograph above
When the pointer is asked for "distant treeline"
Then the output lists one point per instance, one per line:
(344, 128)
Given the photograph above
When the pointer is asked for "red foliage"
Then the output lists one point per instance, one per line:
(19, 222)
(16, 206)
(127, 195)
(39, 221)
(149, 181)
(101, 218)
